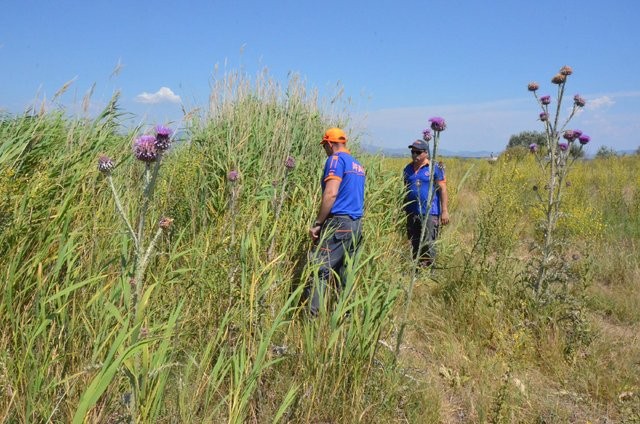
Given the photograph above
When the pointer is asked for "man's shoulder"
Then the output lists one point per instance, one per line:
(347, 157)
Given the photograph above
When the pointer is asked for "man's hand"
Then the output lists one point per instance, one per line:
(444, 218)
(314, 232)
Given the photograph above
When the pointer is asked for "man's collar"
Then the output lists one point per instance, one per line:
(422, 165)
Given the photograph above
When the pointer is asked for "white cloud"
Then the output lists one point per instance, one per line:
(163, 95)
(600, 102)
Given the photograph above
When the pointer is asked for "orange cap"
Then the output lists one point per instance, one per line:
(334, 135)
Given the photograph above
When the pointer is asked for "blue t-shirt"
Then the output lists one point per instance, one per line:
(350, 199)
(417, 186)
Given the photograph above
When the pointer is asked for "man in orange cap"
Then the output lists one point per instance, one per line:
(337, 230)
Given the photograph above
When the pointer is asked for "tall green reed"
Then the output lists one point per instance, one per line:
(217, 331)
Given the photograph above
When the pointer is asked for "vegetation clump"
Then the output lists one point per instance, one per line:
(177, 299)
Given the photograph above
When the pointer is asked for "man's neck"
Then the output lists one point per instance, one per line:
(420, 164)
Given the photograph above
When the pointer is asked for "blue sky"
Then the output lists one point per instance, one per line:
(399, 62)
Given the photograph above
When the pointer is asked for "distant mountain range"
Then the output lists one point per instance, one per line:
(404, 152)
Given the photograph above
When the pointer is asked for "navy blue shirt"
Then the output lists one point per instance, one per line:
(417, 186)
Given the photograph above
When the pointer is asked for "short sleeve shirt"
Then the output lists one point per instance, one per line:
(417, 186)
(351, 174)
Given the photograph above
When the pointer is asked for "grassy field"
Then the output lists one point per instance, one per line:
(211, 329)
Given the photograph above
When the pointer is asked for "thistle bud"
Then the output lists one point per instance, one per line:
(545, 100)
(437, 124)
(533, 86)
(578, 101)
(563, 147)
(533, 147)
(570, 135)
(584, 139)
(144, 148)
(566, 70)
(290, 163)
(426, 135)
(165, 223)
(163, 138)
(544, 116)
(233, 175)
(559, 79)
(105, 164)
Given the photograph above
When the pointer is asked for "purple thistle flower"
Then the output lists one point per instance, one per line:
(579, 101)
(545, 100)
(163, 138)
(533, 147)
(233, 175)
(426, 135)
(544, 116)
(584, 139)
(577, 134)
(437, 124)
(105, 164)
(570, 135)
(144, 148)
(533, 86)
(563, 146)
(290, 163)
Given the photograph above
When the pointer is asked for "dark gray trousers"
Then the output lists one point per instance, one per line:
(340, 238)
(414, 230)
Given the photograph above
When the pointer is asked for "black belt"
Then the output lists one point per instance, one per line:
(342, 217)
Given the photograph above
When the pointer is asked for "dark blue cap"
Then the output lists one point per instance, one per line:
(419, 145)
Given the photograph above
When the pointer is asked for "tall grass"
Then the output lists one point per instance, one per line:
(222, 337)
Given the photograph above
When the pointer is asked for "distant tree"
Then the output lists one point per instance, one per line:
(638, 151)
(606, 152)
(525, 138)
(518, 146)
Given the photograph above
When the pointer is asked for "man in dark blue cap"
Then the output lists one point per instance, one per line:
(420, 214)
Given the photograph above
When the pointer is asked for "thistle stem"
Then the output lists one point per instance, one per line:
(120, 209)
(150, 179)
(416, 259)
(141, 267)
